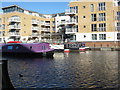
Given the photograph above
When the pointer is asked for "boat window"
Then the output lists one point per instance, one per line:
(17, 47)
(43, 47)
(10, 47)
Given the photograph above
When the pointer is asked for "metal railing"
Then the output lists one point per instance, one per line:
(45, 29)
(35, 22)
(34, 28)
(14, 19)
(72, 30)
(14, 33)
(70, 11)
(14, 27)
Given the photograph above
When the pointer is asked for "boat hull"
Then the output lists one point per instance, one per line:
(34, 49)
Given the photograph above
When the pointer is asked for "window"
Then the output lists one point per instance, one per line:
(118, 35)
(118, 26)
(101, 6)
(92, 8)
(94, 27)
(118, 3)
(118, 15)
(10, 47)
(93, 17)
(102, 27)
(76, 9)
(102, 36)
(102, 16)
(94, 36)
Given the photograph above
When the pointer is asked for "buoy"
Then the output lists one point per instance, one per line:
(66, 50)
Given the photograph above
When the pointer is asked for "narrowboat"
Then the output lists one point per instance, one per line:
(27, 48)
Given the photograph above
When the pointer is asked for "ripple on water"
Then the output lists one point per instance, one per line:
(94, 69)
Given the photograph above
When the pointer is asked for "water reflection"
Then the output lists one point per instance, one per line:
(91, 69)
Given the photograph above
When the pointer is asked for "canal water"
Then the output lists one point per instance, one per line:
(90, 69)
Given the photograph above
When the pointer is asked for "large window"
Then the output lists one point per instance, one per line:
(118, 15)
(12, 9)
(102, 16)
(94, 27)
(74, 9)
(101, 6)
(92, 8)
(118, 26)
(118, 35)
(94, 36)
(93, 17)
(102, 27)
(102, 36)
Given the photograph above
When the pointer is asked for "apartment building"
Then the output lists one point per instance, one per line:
(17, 23)
(94, 22)
(98, 22)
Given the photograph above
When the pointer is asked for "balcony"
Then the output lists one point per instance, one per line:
(71, 30)
(14, 33)
(14, 27)
(72, 22)
(45, 24)
(35, 28)
(35, 34)
(62, 23)
(14, 19)
(35, 22)
(70, 11)
(46, 35)
(45, 29)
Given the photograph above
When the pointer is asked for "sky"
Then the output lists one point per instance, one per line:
(41, 7)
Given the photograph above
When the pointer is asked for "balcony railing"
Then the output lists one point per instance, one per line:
(70, 11)
(71, 22)
(34, 28)
(46, 34)
(35, 34)
(35, 22)
(68, 22)
(14, 20)
(71, 30)
(45, 24)
(45, 29)
(14, 27)
(14, 33)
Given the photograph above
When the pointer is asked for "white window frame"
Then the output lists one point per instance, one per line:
(102, 36)
(102, 27)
